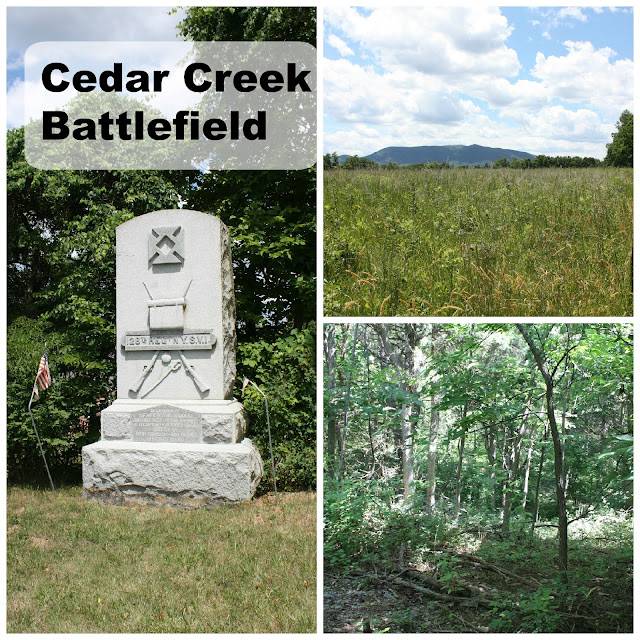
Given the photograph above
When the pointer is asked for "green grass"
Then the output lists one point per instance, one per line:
(82, 567)
(545, 242)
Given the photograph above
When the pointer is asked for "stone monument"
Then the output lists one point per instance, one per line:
(175, 434)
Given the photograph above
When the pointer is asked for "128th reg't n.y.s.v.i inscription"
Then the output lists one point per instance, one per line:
(133, 341)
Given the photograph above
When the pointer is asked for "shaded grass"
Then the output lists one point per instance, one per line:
(545, 242)
(75, 566)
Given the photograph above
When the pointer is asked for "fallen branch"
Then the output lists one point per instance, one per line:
(467, 602)
(503, 572)
(457, 584)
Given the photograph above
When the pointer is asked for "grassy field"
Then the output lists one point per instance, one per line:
(471, 242)
(80, 567)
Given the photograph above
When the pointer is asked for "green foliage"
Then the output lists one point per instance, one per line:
(330, 161)
(620, 149)
(355, 162)
(284, 369)
(365, 525)
(250, 23)
(346, 539)
(271, 218)
(24, 348)
(536, 612)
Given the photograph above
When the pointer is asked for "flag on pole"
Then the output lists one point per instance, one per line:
(43, 377)
(43, 380)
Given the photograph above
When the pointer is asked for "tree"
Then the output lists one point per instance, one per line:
(270, 214)
(330, 161)
(550, 371)
(271, 219)
(355, 162)
(250, 23)
(401, 353)
(620, 149)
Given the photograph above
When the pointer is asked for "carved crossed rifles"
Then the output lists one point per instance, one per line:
(166, 313)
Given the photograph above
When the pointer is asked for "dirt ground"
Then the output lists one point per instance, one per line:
(356, 603)
(414, 599)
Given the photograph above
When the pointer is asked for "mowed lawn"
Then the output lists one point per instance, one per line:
(478, 242)
(81, 567)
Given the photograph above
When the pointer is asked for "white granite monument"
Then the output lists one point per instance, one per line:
(175, 434)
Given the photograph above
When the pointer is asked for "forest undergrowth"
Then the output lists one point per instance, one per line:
(429, 574)
(479, 478)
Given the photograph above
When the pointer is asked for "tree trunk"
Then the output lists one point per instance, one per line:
(431, 454)
(330, 384)
(407, 452)
(369, 425)
(402, 356)
(343, 447)
(459, 467)
(514, 466)
(558, 458)
(527, 471)
(434, 424)
(491, 448)
(536, 501)
(558, 453)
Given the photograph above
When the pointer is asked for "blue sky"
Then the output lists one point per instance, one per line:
(550, 80)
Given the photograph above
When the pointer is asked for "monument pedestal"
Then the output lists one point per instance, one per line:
(205, 421)
(179, 475)
(177, 454)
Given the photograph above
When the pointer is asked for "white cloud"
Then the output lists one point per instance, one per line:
(427, 71)
(512, 98)
(558, 123)
(360, 94)
(572, 12)
(431, 40)
(342, 47)
(587, 75)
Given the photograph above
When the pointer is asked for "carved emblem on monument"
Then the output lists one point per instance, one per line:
(166, 245)
(167, 314)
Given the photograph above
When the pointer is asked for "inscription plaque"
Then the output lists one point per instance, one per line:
(166, 424)
(133, 341)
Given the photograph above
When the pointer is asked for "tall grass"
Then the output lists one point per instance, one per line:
(82, 567)
(471, 242)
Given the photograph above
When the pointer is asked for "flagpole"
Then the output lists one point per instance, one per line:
(266, 406)
(38, 437)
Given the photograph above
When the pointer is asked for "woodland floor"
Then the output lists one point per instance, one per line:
(487, 586)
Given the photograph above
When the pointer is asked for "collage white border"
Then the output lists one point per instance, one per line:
(320, 318)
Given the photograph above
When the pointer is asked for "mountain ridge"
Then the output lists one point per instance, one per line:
(455, 154)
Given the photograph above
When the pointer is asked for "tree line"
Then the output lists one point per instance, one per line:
(619, 154)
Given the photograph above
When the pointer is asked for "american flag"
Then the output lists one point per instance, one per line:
(43, 377)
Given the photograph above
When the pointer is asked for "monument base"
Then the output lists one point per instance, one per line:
(170, 474)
